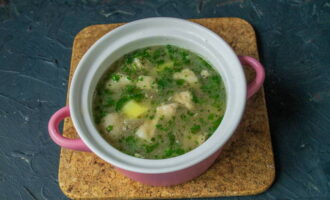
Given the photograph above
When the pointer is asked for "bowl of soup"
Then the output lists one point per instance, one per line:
(157, 98)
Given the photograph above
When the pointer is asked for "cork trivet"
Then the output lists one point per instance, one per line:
(245, 167)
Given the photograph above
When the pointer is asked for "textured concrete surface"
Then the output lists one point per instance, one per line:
(35, 48)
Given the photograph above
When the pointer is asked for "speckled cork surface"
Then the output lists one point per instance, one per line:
(245, 167)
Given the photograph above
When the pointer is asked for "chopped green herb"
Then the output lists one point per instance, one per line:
(179, 151)
(164, 83)
(121, 102)
(216, 123)
(195, 98)
(209, 135)
(109, 102)
(115, 77)
(180, 82)
(195, 128)
(211, 117)
(161, 127)
(183, 116)
(150, 148)
(109, 128)
(171, 138)
(131, 144)
(190, 113)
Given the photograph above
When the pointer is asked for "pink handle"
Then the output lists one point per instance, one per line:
(58, 116)
(260, 74)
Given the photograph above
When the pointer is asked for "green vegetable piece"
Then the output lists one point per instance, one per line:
(209, 135)
(211, 86)
(168, 153)
(171, 50)
(129, 92)
(108, 102)
(180, 82)
(183, 117)
(131, 143)
(115, 77)
(150, 148)
(195, 128)
(161, 127)
(185, 57)
(162, 66)
(129, 58)
(164, 83)
(109, 128)
(216, 123)
(140, 78)
(179, 151)
(190, 113)
(171, 138)
(121, 102)
(205, 64)
(211, 117)
(195, 98)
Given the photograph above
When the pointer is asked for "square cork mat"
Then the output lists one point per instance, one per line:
(245, 166)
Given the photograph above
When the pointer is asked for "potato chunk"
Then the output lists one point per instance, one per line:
(187, 75)
(184, 98)
(133, 109)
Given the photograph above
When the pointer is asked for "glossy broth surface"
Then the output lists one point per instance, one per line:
(159, 102)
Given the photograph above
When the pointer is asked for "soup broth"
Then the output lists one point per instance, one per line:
(159, 102)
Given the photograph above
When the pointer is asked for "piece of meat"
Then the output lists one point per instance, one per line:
(187, 75)
(193, 141)
(167, 110)
(147, 130)
(205, 73)
(115, 85)
(114, 120)
(184, 98)
(137, 62)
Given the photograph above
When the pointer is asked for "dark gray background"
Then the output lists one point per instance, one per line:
(35, 49)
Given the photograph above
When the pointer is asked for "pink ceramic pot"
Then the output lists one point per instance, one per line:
(151, 32)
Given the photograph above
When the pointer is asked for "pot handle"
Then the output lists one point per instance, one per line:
(256, 84)
(57, 117)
